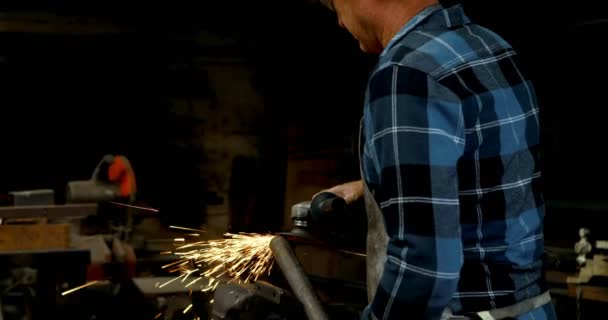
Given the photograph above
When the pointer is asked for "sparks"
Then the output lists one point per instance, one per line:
(192, 282)
(134, 207)
(80, 287)
(242, 257)
(187, 229)
(187, 309)
(166, 283)
(353, 253)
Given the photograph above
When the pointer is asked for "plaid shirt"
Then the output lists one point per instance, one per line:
(450, 152)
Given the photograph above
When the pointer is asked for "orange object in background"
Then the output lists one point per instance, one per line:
(120, 172)
(108, 262)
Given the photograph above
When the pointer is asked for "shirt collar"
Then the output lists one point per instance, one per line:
(451, 17)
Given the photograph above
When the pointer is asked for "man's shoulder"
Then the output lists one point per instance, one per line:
(436, 50)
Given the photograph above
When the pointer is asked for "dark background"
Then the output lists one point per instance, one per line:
(67, 99)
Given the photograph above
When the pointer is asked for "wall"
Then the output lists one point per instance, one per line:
(224, 93)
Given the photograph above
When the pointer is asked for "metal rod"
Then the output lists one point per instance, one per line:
(297, 279)
(52, 211)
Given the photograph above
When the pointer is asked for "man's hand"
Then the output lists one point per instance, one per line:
(350, 191)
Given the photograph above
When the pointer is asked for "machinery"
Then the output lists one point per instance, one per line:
(319, 274)
(260, 300)
(329, 220)
(42, 247)
(113, 179)
(326, 278)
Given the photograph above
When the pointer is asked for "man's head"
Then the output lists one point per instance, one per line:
(354, 16)
(374, 22)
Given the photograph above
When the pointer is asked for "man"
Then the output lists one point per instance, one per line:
(449, 160)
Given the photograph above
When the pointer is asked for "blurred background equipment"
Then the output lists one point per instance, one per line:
(46, 249)
(113, 179)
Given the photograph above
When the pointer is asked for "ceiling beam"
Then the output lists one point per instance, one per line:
(48, 23)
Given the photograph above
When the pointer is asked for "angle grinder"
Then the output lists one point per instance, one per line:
(328, 218)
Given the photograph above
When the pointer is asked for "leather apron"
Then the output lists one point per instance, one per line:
(377, 238)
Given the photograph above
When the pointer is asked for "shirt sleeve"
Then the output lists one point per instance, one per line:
(415, 137)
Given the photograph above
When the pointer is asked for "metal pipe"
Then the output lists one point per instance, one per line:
(294, 273)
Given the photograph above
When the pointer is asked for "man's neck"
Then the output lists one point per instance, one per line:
(396, 14)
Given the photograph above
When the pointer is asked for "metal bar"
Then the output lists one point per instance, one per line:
(297, 279)
(49, 211)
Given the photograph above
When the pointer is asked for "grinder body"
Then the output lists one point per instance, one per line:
(112, 179)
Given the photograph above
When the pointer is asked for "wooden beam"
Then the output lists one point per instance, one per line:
(48, 23)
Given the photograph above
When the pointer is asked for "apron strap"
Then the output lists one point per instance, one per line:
(512, 311)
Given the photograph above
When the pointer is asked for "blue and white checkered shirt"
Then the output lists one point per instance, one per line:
(451, 150)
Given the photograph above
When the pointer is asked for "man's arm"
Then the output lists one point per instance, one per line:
(415, 136)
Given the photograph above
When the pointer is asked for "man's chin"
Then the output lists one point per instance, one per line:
(363, 47)
(367, 49)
